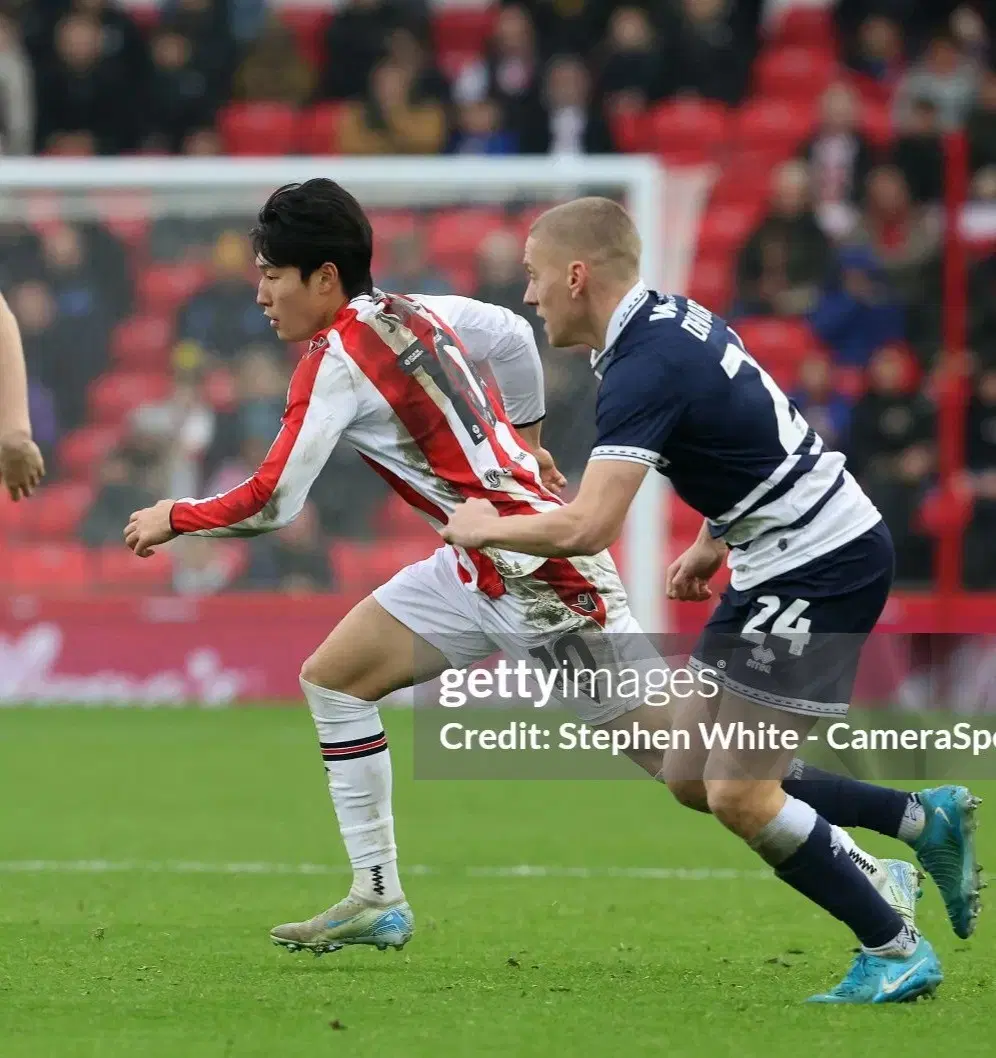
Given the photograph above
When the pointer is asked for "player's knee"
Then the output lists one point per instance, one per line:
(729, 802)
(689, 792)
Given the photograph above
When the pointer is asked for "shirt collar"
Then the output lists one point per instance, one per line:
(623, 313)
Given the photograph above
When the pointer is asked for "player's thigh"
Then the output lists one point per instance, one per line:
(408, 631)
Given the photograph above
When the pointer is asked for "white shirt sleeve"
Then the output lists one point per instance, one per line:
(505, 340)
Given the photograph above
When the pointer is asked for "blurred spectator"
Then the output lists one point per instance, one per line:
(179, 98)
(354, 43)
(945, 77)
(205, 24)
(980, 461)
(407, 50)
(839, 159)
(123, 44)
(83, 93)
(294, 559)
(243, 434)
(202, 566)
(202, 143)
(904, 237)
(704, 57)
(878, 52)
(566, 122)
(568, 27)
(274, 69)
(122, 490)
(982, 123)
(223, 317)
(44, 423)
(410, 271)
(391, 120)
(822, 407)
(246, 19)
(630, 60)
(919, 152)
(968, 29)
(858, 312)
(787, 258)
(20, 253)
(891, 451)
(479, 129)
(72, 280)
(509, 70)
(58, 353)
(982, 309)
(180, 430)
(500, 278)
(17, 94)
(978, 215)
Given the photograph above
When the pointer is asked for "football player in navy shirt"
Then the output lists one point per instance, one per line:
(811, 567)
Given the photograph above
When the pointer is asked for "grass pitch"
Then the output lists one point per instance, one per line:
(193, 826)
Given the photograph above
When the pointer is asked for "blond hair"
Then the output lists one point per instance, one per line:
(597, 230)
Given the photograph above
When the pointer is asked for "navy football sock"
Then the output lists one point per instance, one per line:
(799, 844)
(846, 802)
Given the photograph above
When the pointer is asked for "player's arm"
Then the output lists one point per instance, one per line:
(21, 463)
(589, 523)
(639, 402)
(321, 403)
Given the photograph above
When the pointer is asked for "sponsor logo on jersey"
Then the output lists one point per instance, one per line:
(761, 658)
(492, 478)
(317, 343)
(586, 602)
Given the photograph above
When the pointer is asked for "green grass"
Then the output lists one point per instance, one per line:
(162, 964)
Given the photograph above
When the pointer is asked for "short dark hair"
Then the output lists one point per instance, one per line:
(305, 225)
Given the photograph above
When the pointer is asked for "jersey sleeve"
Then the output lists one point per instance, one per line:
(639, 402)
(321, 403)
(503, 339)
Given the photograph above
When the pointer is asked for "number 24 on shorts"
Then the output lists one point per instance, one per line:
(788, 622)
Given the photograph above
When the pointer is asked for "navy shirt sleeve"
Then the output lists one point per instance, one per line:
(639, 403)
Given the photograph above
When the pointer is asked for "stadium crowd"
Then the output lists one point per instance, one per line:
(822, 241)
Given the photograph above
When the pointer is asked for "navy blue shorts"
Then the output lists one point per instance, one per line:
(793, 643)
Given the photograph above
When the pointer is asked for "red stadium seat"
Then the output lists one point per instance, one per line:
(82, 451)
(113, 396)
(804, 26)
(57, 510)
(777, 126)
(630, 130)
(47, 567)
(163, 288)
(711, 282)
(318, 129)
(142, 343)
(456, 235)
(13, 520)
(118, 569)
(126, 215)
(742, 185)
(684, 520)
(453, 63)
(463, 29)
(687, 131)
(876, 122)
(777, 344)
(258, 129)
(793, 73)
(726, 228)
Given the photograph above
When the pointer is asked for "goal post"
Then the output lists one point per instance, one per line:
(77, 189)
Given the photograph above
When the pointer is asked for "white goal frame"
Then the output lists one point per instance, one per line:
(439, 181)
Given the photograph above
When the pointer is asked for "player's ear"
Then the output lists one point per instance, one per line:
(577, 275)
(328, 277)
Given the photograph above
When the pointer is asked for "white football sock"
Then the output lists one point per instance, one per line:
(913, 821)
(358, 764)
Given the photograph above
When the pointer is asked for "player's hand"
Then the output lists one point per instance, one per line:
(471, 524)
(21, 464)
(688, 575)
(149, 527)
(549, 474)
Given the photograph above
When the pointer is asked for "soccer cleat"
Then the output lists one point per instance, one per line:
(905, 889)
(874, 979)
(351, 921)
(946, 851)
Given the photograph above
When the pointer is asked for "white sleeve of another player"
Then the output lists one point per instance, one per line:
(505, 340)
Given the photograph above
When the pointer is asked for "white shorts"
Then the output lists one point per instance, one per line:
(531, 622)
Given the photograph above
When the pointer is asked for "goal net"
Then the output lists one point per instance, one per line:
(154, 374)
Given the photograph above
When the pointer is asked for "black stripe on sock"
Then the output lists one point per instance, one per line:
(353, 754)
(353, 741)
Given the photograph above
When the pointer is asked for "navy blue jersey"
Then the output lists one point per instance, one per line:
(682, 394)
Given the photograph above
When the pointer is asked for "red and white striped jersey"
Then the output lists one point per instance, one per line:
(396, 377)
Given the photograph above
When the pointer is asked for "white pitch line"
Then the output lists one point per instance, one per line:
(657, 874)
